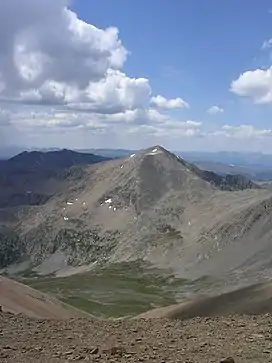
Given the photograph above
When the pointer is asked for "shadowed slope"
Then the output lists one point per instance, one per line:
(18, 298)
(251, 300)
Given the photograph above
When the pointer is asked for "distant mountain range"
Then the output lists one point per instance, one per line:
(31, 178)
(224, 157)
(256, 166)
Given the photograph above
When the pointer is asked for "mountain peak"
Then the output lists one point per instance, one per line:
(154, 150)
(169, 170)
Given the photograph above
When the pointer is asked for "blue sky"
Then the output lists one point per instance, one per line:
(192, 49)
(190, 73)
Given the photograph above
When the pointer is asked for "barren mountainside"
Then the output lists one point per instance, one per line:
(151, 206)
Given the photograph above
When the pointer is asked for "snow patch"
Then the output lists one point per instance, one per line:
(154, 152)
(108, 201)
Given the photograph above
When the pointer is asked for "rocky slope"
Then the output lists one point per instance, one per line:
(244, 338)
(153, 206)
(201, 329)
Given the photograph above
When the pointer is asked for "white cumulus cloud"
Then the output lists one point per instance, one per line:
(162, 102)
(48, 54)
(213, 110)
(59, 72)
(243, 131)
(169, 128)
(256, 85)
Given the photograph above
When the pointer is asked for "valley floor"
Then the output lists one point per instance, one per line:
(245, 338)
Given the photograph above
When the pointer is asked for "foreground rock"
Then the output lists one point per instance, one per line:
(228, 360)
(245, 339)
